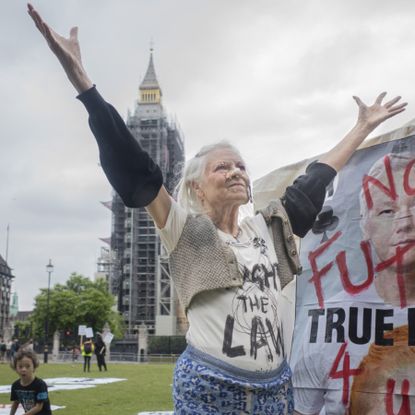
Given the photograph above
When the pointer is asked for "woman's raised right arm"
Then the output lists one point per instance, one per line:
(129, 169)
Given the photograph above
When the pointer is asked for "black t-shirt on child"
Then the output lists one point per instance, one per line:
(28, 396)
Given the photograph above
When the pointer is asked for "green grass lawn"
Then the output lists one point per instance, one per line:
(147, 388)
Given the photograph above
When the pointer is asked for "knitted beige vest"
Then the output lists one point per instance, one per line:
(201, 261)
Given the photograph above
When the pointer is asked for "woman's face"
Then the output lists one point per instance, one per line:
(224, 182)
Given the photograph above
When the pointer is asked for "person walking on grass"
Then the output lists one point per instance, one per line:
(230, 275)
(29, 391)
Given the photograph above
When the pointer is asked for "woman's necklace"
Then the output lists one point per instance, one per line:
(236, 241)
(238, 234)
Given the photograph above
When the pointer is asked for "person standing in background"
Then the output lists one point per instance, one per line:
(100, 350)
(87, 349)
(2, 350)
(9, 350)
(15, 346)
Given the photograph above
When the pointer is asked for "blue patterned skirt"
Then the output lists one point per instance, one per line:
(205, 385)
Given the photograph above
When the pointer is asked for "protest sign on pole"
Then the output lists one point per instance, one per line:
(89, 333)
(81, 330)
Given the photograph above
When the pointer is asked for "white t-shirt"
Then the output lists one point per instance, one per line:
(241, 326)
(315, 391)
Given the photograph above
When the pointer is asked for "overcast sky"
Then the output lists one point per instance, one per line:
(273, 77)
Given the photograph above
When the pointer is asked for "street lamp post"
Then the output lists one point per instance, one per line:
(49, 270)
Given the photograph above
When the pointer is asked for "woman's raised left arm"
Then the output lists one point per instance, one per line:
(304, 199)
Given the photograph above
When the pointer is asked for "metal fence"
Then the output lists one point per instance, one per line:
(116, 357)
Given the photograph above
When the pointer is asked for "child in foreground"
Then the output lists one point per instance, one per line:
(29, 391)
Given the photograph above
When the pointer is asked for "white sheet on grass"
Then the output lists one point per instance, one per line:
(156, 413)
(55, 384)
(5, 409)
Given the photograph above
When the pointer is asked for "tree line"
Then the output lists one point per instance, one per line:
(78, 301)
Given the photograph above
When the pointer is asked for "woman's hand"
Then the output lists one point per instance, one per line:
(371, 116)
(67, 50)
(368, 119)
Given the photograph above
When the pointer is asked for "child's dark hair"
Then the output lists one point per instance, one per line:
(21, 353)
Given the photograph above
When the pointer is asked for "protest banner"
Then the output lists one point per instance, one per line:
(353, 347)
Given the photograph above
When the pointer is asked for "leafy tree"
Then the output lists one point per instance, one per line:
(78, 301)
(23, 330)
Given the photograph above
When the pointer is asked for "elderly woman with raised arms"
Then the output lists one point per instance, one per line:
(229, 274)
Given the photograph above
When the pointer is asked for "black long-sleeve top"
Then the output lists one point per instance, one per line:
(129, 169)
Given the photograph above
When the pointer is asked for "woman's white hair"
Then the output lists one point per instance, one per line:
(193, 172)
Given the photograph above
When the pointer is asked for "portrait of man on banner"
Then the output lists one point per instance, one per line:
(354, 340)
